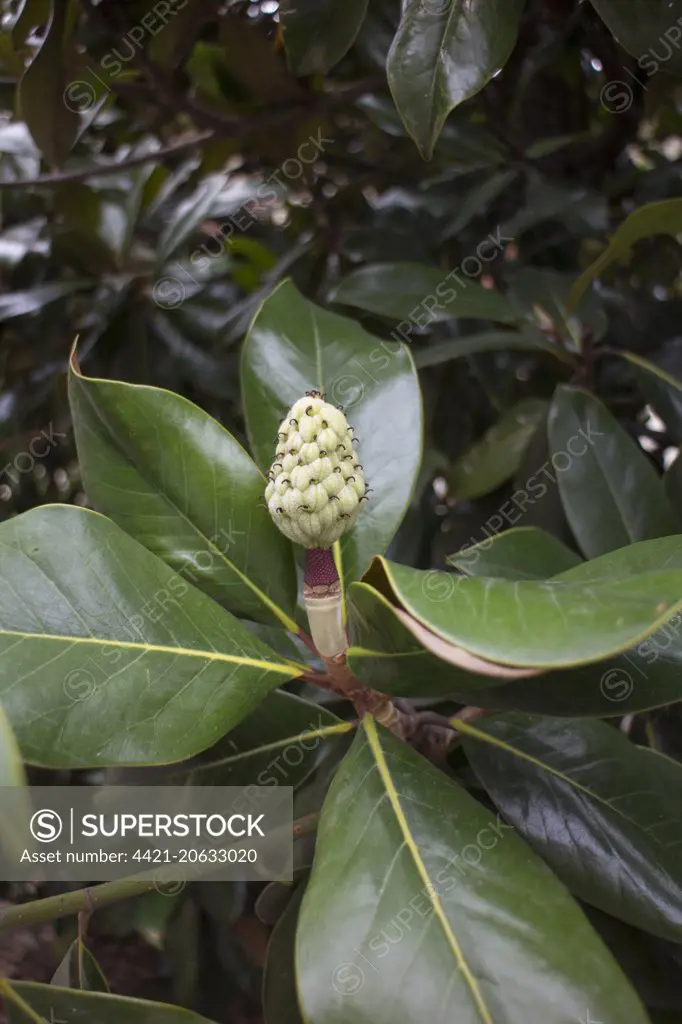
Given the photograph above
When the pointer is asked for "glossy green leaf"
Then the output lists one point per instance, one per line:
(444, 52)
(31, 1003)
(423, 906)
(484, 341)
(80, 970)
(280, 996)
(543, 624)
(661, 389)
(664, 218)
(611, 493)
(387, 656)
(280, 744)
(602, 812)
(177, 481)
(630, 561)
(318, 33)
(33, 299)
(294, 346)
(423, 295)
(543, 297)
(496, 457)
(44, 93)
(108, 656)
(622, 685)
(645, 676)
(522, 553)
(648, 30)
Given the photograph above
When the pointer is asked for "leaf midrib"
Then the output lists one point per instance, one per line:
(265, 748)
(394, 799)
(282, 667)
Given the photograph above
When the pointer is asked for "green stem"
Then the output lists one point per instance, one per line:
(96, 896)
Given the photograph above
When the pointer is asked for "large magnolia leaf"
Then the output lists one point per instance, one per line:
(523, 553)
(648, 675)
(423, 906)
(424, 295)
(444, 52)
(109, 657)
(630, 561)
(611, 493)
(543, 624)
(648, 29)
(29, 1003)
(388, 655)
(295, 346)
(625, 684)
(280, 744)
(318, 33)
(602, 812)
(664, 218)
(178, 482)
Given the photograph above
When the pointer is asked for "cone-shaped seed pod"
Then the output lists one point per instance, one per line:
(315, 487)
(315, 483)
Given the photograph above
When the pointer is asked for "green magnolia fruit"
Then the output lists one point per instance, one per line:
(316, 483)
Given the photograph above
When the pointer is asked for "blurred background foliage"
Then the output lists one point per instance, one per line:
(163, 165)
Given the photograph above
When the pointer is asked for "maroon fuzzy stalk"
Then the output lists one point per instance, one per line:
(320, 568)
